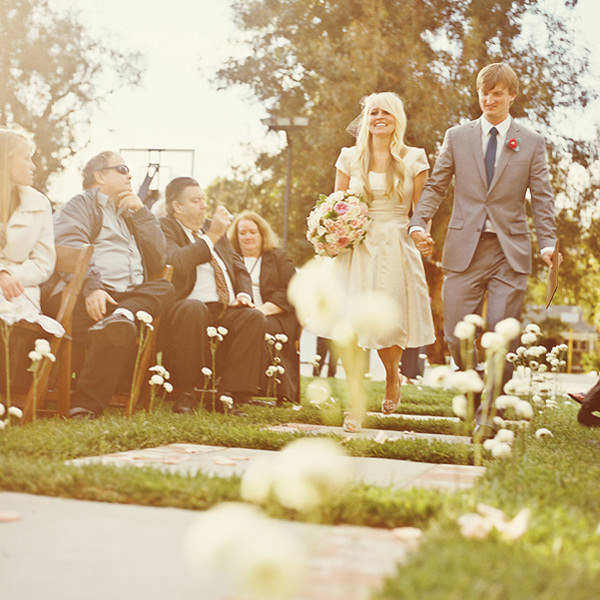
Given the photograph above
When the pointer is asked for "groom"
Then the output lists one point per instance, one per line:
(495, 160)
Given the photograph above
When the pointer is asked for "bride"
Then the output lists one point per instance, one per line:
(390, 176)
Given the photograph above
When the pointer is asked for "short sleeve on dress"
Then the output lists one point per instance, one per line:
(420, 162)
(344, 161)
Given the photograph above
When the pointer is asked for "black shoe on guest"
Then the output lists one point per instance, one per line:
(79, 412)
(585, 415)
(241, 398)
(185, 404)
(118, 328)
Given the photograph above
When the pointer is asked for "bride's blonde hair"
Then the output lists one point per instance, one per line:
(10, 140)
(391, 103)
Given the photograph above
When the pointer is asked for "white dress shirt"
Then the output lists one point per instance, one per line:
(205, 288)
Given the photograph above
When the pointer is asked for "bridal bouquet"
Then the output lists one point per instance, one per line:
(337, 223)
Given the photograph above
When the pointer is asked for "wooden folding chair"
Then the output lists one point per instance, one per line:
(74, 261)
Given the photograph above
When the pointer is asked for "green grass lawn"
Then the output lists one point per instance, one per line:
(558, 479)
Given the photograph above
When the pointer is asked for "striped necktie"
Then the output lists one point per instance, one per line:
(220, 281)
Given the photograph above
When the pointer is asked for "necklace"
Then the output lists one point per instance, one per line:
(254, 265)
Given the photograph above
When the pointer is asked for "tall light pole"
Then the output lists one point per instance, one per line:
(286, 124)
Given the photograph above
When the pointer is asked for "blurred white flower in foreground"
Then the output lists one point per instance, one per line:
(508, 328)
(318, 391)
(476, 320)
(236, 551)
(464, 330)
(310, 471)
(478, 525)
(459, 406)
(543, 433)
(304, 474)
(317, 294)
(322, 305)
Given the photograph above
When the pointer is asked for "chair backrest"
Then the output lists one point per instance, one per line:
(75, 262)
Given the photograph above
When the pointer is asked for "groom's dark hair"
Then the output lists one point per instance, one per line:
(498, 73)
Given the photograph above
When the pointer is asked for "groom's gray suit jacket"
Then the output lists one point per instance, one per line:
(503, 203)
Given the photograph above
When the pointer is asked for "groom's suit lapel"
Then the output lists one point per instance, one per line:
(475, 144)
(506, 154)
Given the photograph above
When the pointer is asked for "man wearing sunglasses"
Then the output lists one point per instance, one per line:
(129, 248)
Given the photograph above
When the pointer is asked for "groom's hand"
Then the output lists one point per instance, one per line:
(423, 242)
(549, 255)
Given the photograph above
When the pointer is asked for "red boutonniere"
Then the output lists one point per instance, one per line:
(514, 144)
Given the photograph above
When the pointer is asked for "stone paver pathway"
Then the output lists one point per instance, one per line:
(216, 460)
(63, 549)
(379, 435)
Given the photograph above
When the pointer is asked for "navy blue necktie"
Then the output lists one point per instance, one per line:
(490, 155)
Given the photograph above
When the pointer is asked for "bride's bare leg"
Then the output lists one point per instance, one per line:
(390, 357)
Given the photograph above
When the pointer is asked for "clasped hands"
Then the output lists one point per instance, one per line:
(423, 242)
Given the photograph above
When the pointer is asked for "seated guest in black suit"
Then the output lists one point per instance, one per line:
(129, 248)
(590, 403)
(270, 271)
(213, 289)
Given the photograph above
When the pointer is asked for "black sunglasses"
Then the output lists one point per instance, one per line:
(123, 169)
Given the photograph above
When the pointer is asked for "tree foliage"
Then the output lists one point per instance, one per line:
(319, 57)
(53, 74)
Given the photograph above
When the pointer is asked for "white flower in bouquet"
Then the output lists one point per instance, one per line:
(337, 223)
(533, 328)
(310, 471)
(233, 550)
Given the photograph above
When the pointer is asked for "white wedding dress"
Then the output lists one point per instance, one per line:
(387, 261)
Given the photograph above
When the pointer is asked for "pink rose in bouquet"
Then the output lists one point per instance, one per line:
(337, 223)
